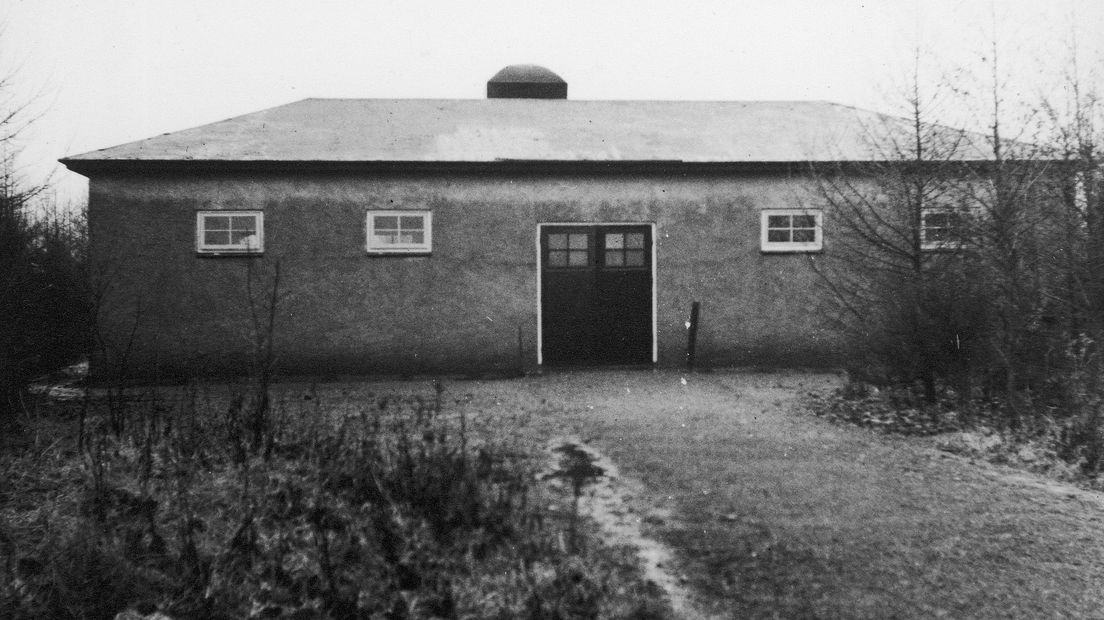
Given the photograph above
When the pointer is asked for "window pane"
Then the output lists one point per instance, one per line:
(216, 222)
(615, 241)
(804, 221)
(778, 236)
(238, 237)
(557, 242)
(411, 222)
(634, 258)
(243, 222)
(634, 240)
(577, 258)
(937, 234)
(386, 222)
(412, 237)
(577, 241)
(778, 221)
(216, 237)
(804, 235)
(933, 220)
(557, 258)
(382, 237)
(614, 258)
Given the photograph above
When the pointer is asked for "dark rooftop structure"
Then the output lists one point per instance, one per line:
(526, 82)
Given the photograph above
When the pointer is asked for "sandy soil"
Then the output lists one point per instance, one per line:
(771, 512)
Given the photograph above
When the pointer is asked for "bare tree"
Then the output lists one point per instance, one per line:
(1075, 118)
(42, 292)
(899, 281)
(1076, 121)
(1018, 228)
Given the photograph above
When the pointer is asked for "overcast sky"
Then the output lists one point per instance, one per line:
(104, 72)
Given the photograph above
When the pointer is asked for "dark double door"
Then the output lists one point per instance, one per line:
(596, 294)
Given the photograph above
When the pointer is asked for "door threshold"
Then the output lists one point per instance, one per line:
(546, 368)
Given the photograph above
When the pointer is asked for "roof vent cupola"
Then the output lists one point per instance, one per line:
(526, 82)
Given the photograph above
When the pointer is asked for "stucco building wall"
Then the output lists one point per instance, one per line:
(460, 309)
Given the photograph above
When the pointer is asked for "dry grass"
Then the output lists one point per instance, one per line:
(771, 511)
(355, 501)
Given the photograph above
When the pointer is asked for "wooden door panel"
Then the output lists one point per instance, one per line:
(566, 321)
(623, 308)
(596, 294)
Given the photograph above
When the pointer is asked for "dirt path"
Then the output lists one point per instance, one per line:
(774, 513)
(607, 499)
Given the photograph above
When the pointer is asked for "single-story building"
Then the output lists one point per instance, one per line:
(512, 232)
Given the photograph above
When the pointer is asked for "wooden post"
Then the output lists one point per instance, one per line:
(520, 353)
(692, 336)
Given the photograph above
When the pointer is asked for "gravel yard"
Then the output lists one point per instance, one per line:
(771, 512)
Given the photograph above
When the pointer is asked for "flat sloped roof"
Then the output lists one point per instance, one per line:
(491, 130)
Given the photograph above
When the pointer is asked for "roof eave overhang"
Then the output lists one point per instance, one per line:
(140, 167)
(99, 167)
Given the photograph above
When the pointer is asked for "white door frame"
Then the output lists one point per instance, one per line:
(540, 266)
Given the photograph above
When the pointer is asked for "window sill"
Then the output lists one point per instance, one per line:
(791, 250)
(209, 254)
(943, 248)
(399, 254)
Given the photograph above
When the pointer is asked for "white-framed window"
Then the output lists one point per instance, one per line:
(229, 232)
(791, 230)
(400, 232)
(942, 228)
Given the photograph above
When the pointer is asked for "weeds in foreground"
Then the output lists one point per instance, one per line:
(394, 509)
